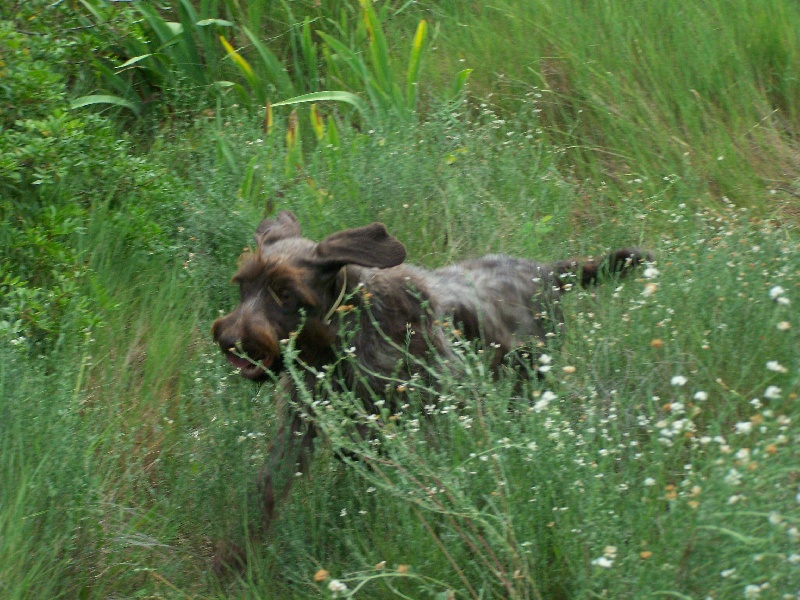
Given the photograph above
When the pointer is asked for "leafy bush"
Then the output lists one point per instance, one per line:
(41, 144)
(59, 171)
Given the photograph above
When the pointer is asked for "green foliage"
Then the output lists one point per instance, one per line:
(160, 55)
(26, 91)
(48, 157)
(667, 88)
(653, 457)
(481, 487)
(163, 54)
(388, 98)
(63, 171)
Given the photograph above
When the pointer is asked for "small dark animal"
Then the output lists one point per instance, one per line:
(292, 286)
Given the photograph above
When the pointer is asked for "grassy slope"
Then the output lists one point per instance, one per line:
(666, 89)
(136, 452)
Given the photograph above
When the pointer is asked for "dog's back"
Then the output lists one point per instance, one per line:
(505, 301)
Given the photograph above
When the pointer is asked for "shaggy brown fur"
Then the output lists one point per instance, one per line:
(291, 286)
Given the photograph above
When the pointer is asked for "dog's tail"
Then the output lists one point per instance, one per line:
(617, 263)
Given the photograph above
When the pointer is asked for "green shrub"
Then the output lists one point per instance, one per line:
(61, 171)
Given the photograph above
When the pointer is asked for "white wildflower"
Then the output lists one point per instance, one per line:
(651, 273)
(774, 365)
(337, 586)
(733, 477)
(603, 562)
(752, 591)
(773, 392)
(701, 396)
(744, 427)
(776, 292)
(678, 381)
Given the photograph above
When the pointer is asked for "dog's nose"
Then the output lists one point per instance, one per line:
(229, 342)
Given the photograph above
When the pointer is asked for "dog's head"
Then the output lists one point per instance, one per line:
(290, 280)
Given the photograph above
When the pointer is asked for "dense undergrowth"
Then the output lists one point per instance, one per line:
(657, 455)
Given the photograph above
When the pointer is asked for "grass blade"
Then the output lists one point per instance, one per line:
(246, 70)
(294, 148)
(332, 133)
(237, 58)
(166, 31)
(274, 68)
(459, 83)
(218, 22)
(193, 64)
(105, 99)
(377, 97)
(132, 61)
(268, 118)
(317, 124)
(740, 537)
(414, 61)
(309, 55)
(335, 96)
(379, 50)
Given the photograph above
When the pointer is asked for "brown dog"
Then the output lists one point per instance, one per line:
(354, 283)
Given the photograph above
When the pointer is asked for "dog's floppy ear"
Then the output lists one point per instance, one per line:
(284, 225)
(369, 246)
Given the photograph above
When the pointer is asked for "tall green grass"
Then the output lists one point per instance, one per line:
(137, 454)
(702, 93)
(654, 458)
(194, 51)
(700, 90)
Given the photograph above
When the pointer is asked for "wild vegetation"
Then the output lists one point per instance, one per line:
(141, 142)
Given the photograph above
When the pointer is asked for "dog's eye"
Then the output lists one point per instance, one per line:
(283, 297)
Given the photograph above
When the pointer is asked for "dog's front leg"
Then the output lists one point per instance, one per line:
(289, 455)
